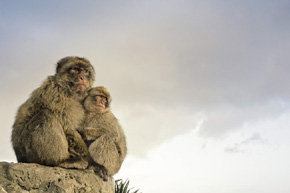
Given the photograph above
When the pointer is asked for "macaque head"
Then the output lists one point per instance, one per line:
(75, 73)
(98, 100)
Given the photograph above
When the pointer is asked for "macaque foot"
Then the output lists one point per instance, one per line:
(100, 171)
(76, 163)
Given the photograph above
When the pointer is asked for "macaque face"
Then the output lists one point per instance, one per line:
(101, 102)
(80, 78)
(98, 100)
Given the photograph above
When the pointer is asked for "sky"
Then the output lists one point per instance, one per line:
(199, 87)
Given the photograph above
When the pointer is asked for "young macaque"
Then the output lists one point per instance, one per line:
(103, 134)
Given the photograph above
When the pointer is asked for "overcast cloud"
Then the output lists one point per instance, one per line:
(195, 74)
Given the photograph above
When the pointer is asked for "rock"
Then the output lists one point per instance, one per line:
(32, 178)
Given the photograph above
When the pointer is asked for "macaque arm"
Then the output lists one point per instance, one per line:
(91, 133)
(76, 145)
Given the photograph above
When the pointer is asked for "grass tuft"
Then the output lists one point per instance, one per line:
(123, 187)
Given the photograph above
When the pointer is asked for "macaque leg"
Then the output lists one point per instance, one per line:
(48, 144)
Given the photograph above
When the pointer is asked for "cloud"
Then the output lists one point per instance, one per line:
(146, 126)
(239, 147)
(224, 60)
(184, 164)
(223, 118)
(192, 82)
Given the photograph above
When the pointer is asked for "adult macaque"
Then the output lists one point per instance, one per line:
(51, 114)
(103, 134)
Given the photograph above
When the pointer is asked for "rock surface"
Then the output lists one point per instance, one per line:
(32, 178)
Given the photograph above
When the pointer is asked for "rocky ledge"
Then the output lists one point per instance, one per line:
(32, 178)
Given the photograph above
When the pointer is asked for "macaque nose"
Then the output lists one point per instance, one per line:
(81, 78)
(82, 74)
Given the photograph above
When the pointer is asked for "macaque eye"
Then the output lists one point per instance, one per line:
(75, 70)
(95, 98)
(86, 72)
(103, 97)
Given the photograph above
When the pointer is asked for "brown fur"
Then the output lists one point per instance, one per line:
(103, 134)
(52, 113)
